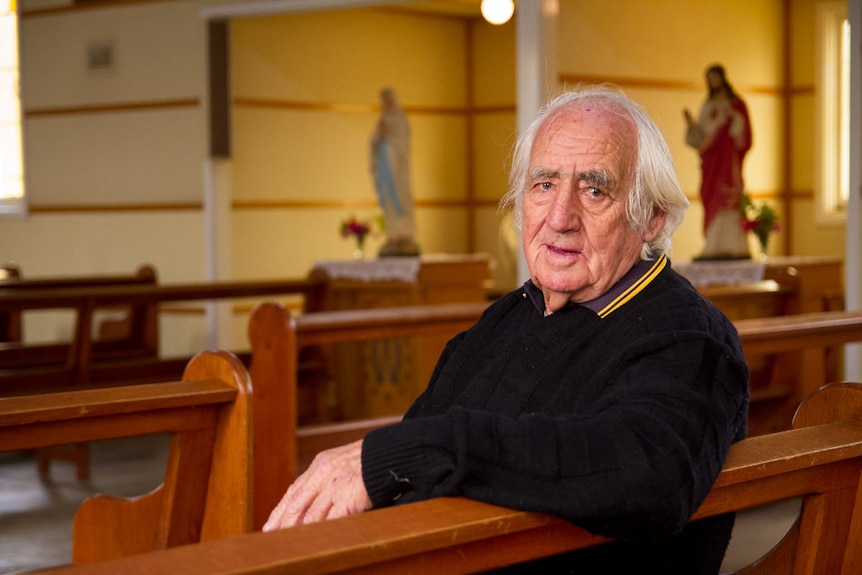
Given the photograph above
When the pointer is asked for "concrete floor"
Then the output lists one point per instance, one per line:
(36, 513)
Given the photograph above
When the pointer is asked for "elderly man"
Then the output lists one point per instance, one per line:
(605, 391)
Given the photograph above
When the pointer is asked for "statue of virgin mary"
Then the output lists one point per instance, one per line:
(390, 168)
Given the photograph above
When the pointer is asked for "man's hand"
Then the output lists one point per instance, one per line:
(332, 487)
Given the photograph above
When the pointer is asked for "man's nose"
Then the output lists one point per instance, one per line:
(564, 213)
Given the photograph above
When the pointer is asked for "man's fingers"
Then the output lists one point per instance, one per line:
(318, 510)
(291, 509)
(331, 487)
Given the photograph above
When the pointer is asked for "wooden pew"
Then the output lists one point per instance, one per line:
(793, 354)
(819, 460)
(781, 340)
(84, 363)
(207, 492)
(10, 322)
(135, 332)
(281, 449)
(765, 298)
(276, 337)
(81, 366)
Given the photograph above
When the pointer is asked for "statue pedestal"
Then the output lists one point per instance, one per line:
(383, 377)
(779, 286)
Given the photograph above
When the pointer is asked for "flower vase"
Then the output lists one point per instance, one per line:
(359, 252)
(763, 244)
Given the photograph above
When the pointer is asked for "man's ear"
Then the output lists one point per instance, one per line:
(655, 225)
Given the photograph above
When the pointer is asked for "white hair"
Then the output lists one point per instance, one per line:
(655, 187)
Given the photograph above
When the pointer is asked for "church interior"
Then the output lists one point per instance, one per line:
(228, 141)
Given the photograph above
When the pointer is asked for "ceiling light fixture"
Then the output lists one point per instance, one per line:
(498, 11)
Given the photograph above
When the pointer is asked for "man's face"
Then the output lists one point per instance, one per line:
(576, 237)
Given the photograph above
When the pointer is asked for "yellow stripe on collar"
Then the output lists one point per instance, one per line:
(635, 288)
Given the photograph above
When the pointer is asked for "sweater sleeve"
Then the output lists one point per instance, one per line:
(637, 464)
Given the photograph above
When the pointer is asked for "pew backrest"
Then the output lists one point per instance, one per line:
(206, 493)
(82, 364)
(795, 355)
(799, 331)
(137, 327)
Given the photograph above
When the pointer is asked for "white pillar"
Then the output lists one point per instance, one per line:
(536, 68)
(217, 194)
(853, 249)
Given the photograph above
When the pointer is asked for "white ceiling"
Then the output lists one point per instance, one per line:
(450, 7)
(240, 8)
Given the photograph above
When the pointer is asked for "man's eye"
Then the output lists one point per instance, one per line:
(593, 192)
(543, 186)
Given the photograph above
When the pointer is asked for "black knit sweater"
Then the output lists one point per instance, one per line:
(619, 424)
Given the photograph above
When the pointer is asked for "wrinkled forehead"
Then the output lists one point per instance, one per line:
(597, 120)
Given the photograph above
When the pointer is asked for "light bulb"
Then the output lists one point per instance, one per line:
(498, 11)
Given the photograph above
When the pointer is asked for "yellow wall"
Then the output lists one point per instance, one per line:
(658, 52)
(464, 130)
(115, 160)
(302, 119)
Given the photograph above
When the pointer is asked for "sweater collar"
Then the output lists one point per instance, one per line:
(631, 284)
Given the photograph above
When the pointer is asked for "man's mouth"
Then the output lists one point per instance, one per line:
(561, 250)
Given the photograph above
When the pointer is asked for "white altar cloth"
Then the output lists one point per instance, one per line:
(404, 269)
(721, 272)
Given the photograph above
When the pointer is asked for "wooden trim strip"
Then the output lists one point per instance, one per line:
(325, 204)
(89, 5)
(300, 204)
(251, 205)
(82, 208)
(370, 204)
(354, 108)
(685, 85)
(114, 107)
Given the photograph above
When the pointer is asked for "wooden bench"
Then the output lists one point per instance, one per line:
(820, 460)
(132, 333)
(207, 491)
(281, 448)
(135, 332)
(82, 362)
(97, 413)
(765, 298)
(790, 357)
(276, 338)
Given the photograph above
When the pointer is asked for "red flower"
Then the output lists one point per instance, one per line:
(356, 228)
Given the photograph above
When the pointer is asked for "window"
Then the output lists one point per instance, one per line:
(12, 197)
(833, 105)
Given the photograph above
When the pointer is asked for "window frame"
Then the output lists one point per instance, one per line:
(13, 194)
(833, 110)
